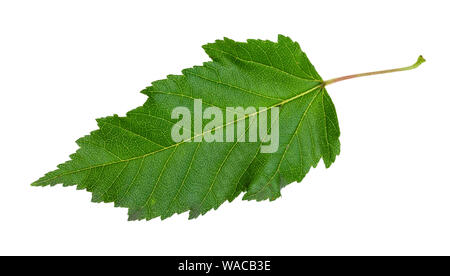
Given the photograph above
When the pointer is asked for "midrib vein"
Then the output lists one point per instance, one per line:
(184, 141)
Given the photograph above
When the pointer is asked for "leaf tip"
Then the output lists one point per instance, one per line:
(35, 184)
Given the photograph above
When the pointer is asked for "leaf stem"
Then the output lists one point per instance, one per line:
(419, 61)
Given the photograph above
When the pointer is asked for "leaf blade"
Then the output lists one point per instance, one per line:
(133, 162)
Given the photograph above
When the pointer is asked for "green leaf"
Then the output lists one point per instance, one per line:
(134, 162)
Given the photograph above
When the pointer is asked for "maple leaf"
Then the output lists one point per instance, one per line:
(135, 162)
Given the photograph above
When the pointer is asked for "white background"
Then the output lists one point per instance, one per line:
(65, 63)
